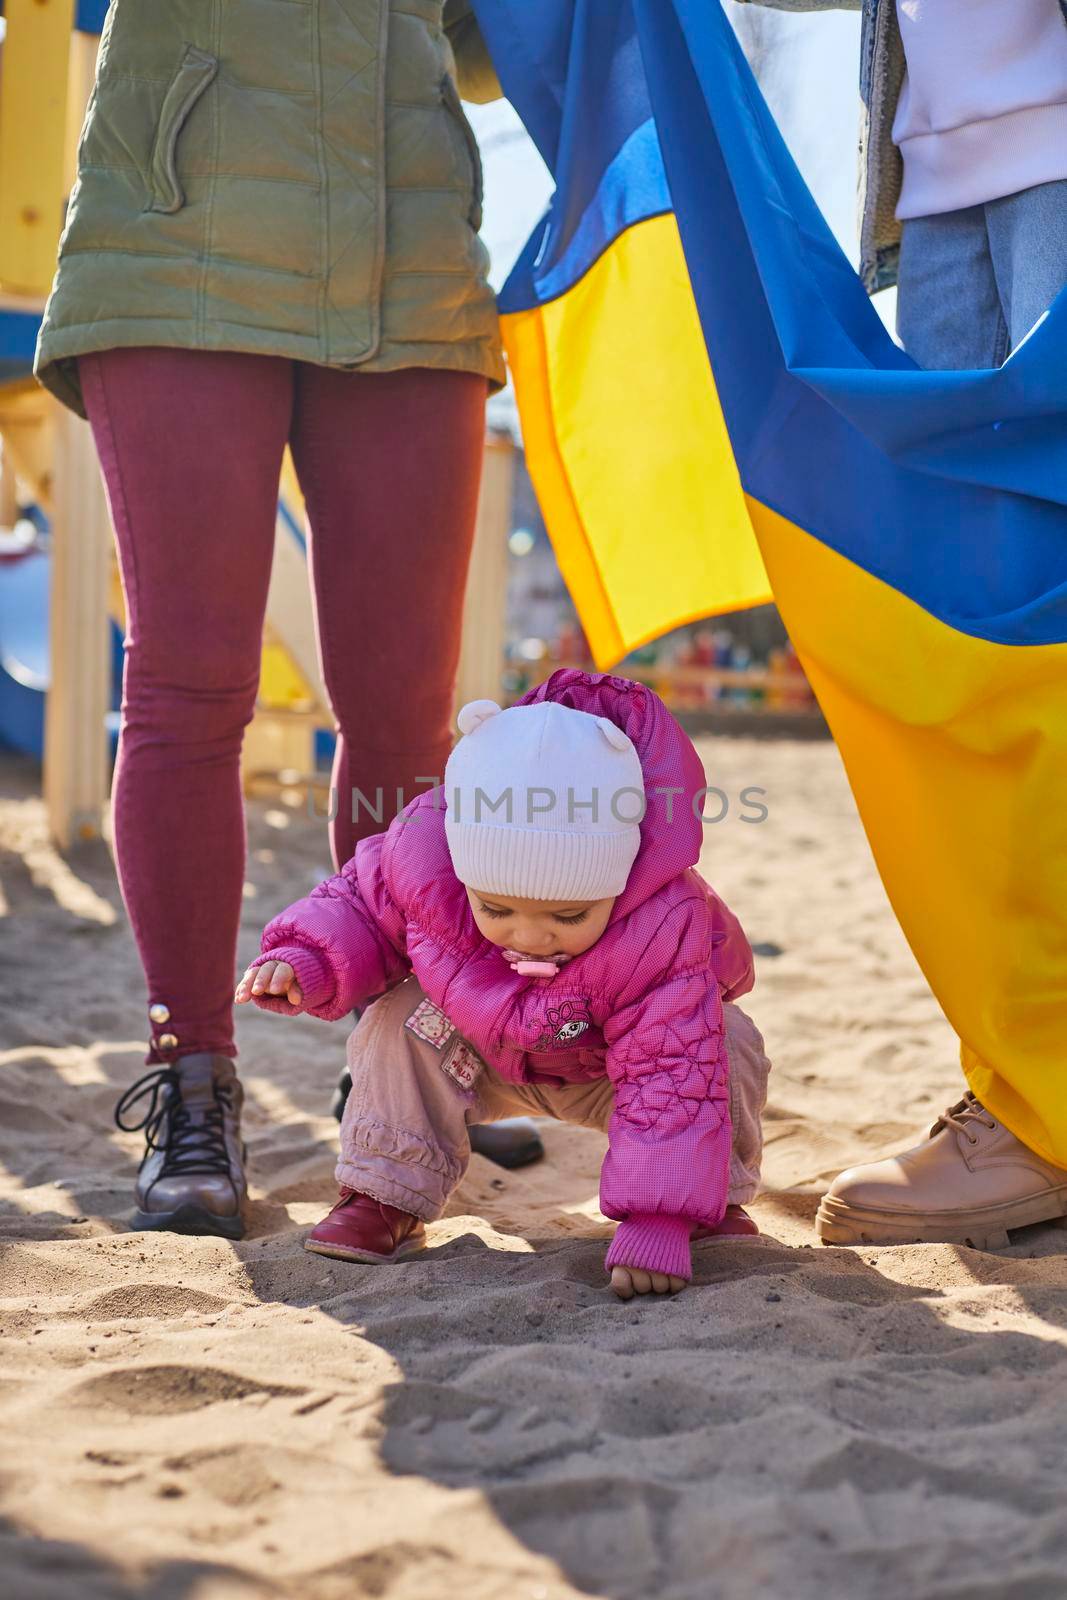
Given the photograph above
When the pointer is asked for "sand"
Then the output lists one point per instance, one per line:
(191, 1418)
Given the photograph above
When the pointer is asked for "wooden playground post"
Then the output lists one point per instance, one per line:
(76, 755)
(9, 505)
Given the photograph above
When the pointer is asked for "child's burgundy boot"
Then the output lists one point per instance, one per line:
(360, 1228)
(736, 1224)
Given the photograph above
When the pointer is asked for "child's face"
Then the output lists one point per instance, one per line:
(540, 929)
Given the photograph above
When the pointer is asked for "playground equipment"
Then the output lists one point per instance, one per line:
(57, 615)
(46, 74)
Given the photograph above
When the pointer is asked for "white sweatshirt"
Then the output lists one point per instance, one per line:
(983, 108)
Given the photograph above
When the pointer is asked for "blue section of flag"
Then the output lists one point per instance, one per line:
(951, 487)
(556, 63)
(632, 188)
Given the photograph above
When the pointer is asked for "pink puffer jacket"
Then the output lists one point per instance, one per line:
(643, 1005)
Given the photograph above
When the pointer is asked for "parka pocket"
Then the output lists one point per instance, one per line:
(453, 104)
(196, 71)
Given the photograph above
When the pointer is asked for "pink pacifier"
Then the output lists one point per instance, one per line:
(531, 969)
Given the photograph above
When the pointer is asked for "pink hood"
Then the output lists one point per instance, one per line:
(643, 1005)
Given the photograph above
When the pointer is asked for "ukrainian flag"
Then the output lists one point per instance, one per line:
(713, 412)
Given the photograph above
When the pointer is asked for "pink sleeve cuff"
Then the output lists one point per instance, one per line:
(653, 1244)
(312, 973)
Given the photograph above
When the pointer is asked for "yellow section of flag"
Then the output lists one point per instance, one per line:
(956, 750)
(628, 450)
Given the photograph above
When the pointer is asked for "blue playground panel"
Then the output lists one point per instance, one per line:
(18, 340)
(24, 662)
(23, 651)
(25, 670)
(325, 743)
(89, 17)
(18, 335)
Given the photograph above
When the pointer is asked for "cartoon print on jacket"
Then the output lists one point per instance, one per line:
(565, 1023)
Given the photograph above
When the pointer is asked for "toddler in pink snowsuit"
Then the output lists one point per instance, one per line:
(540, 942)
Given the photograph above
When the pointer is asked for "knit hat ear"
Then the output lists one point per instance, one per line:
(474, 713)
(614, 734)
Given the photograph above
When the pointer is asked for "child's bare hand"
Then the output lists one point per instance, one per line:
(273, 978)
(628, 1281)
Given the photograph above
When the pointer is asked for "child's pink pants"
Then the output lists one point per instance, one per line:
(404, 1135)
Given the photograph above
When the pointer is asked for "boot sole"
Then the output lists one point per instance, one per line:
(190, 1220)
(369, 1258)
(837, 1222)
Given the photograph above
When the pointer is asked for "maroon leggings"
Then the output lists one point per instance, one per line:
(191, 447)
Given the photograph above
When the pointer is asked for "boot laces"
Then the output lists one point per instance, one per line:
(963, 1114)
(187, 1145)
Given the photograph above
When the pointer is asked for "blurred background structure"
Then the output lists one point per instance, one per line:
(727, 674)
(62, 616)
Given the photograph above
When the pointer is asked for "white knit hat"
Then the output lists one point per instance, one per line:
(543, 802)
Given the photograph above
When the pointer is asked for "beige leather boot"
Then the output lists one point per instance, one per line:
(967, 1183)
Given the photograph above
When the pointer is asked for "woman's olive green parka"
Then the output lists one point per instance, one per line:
(284, 177)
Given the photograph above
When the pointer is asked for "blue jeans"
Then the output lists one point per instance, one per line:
(973, 283)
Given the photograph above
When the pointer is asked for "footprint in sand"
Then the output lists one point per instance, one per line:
(237, 1476)
(168, 1390)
